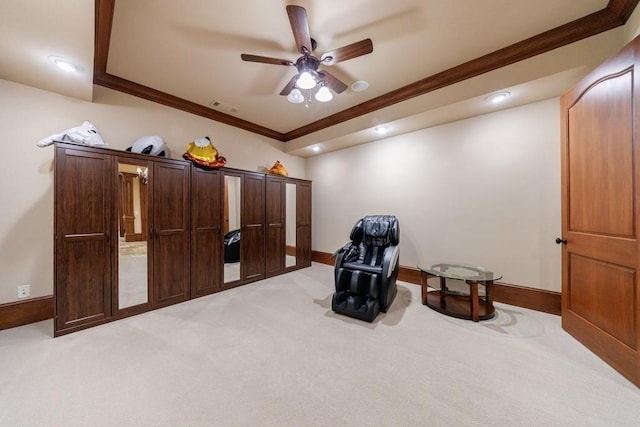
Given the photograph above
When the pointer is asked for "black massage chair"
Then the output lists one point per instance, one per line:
(232, 246)
(366, 268)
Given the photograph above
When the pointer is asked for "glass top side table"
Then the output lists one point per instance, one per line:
(471, 306)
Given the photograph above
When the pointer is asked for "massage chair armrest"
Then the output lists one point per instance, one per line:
(390, 260)
(347, 253)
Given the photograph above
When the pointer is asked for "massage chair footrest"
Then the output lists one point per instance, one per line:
(355, 306)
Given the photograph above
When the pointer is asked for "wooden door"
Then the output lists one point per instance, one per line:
(83, 255)
(600, 212)
(170, 232)
(207, 189)
(275, 211)
(252, 240)
(303, 228)
(126, 207)
(225, 209)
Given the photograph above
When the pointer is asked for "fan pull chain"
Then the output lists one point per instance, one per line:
(307, 99)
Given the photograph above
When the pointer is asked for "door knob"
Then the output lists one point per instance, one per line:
(559, 240)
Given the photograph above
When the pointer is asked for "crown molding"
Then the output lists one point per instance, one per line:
(614, 15)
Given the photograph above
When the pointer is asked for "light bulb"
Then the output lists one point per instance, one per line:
(65, 64)
(295, 96)
(306, 81)
(381, 130)
(497, 98)
(324, 94)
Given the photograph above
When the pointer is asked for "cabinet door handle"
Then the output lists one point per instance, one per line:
(559, 240)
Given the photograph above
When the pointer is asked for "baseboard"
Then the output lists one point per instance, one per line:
(532, 298)
(134, 237)
(33, 310)
(23, 312)
(520, 296)
(322, 257)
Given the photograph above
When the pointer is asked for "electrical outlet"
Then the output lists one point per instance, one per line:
(24, 291)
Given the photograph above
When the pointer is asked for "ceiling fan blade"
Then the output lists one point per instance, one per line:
(265, 59)
(300, 27)
(332, 82)
(289, 87)
(353, 50)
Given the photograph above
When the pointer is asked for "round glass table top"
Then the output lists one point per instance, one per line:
(461, 271)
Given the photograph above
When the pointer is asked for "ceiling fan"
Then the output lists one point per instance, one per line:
(307, 65)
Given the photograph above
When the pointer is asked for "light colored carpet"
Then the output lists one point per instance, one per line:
(231, 271)
(273, 353)
(132, 248)
(132, 280)
(290, 261)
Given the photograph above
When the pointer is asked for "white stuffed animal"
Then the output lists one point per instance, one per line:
(86, 134)
(153, 145)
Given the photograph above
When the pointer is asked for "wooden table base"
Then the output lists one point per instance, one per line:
(458, 306)
(470, 307)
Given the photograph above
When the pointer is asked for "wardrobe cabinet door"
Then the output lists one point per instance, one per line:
(170, 232)
(206, 232)
(83, 214)
(252, 240)
(303, 228)
(275, 211)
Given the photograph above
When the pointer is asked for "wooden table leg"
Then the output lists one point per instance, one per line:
(489, 295)
(475, 303)
(425, 287)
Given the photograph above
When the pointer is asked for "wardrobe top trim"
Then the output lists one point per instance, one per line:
(146, 157)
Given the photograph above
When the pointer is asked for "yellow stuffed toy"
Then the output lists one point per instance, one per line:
(202, 153)
(278, 169)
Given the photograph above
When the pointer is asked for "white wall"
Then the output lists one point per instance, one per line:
(632, 27)
(484, 190)
(28, 115)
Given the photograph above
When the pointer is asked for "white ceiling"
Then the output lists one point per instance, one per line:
(191, 49)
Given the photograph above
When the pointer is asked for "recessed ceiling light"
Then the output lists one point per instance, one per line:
(381, 129)
(316, 149)
(65, 64)
(498, 97)
(359, 86)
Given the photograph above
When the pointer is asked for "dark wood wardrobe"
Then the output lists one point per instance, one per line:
(135, 232)
(288, 219)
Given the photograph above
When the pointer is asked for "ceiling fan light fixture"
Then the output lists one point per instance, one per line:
(324, 94)
(306, 81)
(295, 96)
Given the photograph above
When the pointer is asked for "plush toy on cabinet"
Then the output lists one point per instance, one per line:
(86, 134)
(278, 169)
(153, 145)
(202, 153)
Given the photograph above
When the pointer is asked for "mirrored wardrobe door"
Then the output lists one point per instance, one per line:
(232, 220)
(290, 223)
(132, 288)
(275, 222)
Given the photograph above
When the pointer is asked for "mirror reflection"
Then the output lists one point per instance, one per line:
(290, 221)
(231, 228)
(132, 235)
